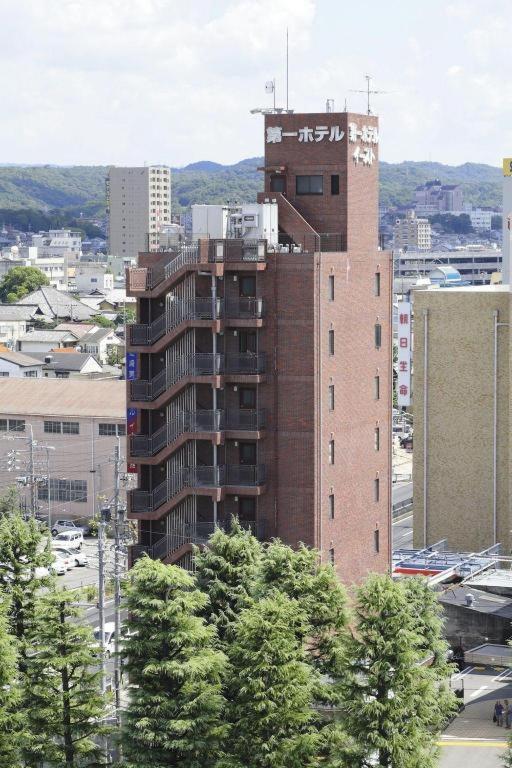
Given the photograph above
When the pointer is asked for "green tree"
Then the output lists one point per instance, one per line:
(20, 281)
(11, 716)
(65, 708)
(102, 321)
(390, 705)
(22, 554)
(226, 572)
(174, 714)
(270, 690)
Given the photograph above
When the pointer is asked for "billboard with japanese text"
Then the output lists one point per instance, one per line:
(403, 385)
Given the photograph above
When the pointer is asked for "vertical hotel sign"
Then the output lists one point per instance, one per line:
(404, 354)
(131, 413)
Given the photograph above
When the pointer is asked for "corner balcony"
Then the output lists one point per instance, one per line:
(199, 366)
(202, 480)
(191, 311)
(200, 424)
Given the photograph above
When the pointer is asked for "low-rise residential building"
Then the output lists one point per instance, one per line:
(40, 341)
(57, 305)
(104, 344)
(68, 364)
(412, 233)
(15, 320)
(91, 276)
(16, 365)
(79, 421)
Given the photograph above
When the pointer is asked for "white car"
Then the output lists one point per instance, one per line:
(61, 526)
(109, 642)
(69, 540)
(76, 558)
(64, 559)
(58, 567)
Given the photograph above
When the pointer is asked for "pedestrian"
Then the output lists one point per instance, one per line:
(508, 714)
(498, 713)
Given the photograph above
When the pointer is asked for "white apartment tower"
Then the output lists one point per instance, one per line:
(412, 234)
(138, 207)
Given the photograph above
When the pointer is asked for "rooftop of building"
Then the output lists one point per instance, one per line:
(483, 602)
(18, 311)
(104, 398)
(18, 358)
(498, 288)
(65, 361)
(57, 304)
(78, 329)
(50, 336)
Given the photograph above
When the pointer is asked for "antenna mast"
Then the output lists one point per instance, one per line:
(368, 93)
(287, 69)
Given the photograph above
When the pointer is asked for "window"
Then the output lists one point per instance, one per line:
(247, 342)
(247, 454)
(376, 387)
(378, 335)
(247, 286)
(247, 398)
(30, 374)
(111, 430)
(335, 184)
(331, 506)
(247, 510)
(331, 287)
(377, 438)
(62, 374)
(376, 285)
(376, 489)
(331, 342)
(331, 397)
(309, 185)
(12, 425)
(4, 374)
(278, 184)
(62, 427)
(64, 490)
(331, 451)
(331, 556)
(376, 540)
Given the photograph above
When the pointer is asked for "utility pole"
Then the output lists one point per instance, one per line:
(104, 518)
(117, 579)
(31, 474)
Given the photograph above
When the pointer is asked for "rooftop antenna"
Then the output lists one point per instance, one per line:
(345, 108)
(329, 105)
(287, 69)
(368, 92)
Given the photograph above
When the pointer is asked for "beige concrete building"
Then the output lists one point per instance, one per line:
(138, 206)
(412, 234)
(462, 397)
(80, 422)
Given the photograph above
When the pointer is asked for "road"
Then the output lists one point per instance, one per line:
(472, 739)
(402, 492)
(402, 526)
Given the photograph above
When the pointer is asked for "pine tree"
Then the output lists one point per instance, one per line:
(226, 572)
(22, 553)
(65, 708)
(390, 707)
(270, 690)
(11, 717)
(174, 713)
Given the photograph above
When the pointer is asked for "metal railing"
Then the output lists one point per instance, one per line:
(195, 421)
(232, 250)
(314, 241)
(197, 477)
(198, 364)
(198, 308)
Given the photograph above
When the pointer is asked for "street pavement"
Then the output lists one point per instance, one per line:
(472, 739)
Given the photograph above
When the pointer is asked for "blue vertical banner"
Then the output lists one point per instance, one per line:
(131, 429)
(131, 366)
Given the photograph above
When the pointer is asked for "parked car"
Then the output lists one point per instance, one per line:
(406, 442)
(69, 540)
(109, 639)
(66, 560)
(61, 526)
(76, 558)
(58, 567)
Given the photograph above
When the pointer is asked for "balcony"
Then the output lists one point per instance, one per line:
(195, 422)
(194, 309)
(245, 475)
(198, 364)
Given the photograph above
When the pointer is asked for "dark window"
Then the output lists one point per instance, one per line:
(247, 341)
(247, 286)
(247, 510)
(247, 453)
(331, 397)
(331, 506)
(331, 556)
(376, 489)
(278, 184)
(378, 335)
(376, 287)
(111, 430)
(331, 451)
(70, 428)
(247, 398)
(64, 490)
(376, 387)
(376, 540)
(331, 287)
(377, 439)
(331, 342)
(335, 184)
(309, 185)
(16, 425)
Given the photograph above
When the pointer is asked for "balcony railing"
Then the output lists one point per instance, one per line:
(198, 308)
(198, 364)
(232, 250)
(246, 475)
(196, 421)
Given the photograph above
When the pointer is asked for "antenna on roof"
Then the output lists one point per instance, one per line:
(329, 105)
(287, 69)
(369, 92)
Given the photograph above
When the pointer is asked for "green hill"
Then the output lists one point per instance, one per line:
(82, 188)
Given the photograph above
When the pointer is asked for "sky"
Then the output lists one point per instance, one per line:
(129, 82)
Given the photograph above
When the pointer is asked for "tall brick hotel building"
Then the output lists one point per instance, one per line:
(261, 368)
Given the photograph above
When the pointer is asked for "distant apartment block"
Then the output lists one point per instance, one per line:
(138, 207)
(412, 233)
(434, 197)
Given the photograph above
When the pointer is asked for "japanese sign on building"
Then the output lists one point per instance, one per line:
(131, 429)
(131, 366)
(275, 134)
(403, 383)
(365, 137)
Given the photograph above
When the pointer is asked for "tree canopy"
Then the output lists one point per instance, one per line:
(20, 281)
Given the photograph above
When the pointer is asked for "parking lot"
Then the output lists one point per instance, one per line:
(83, 576)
